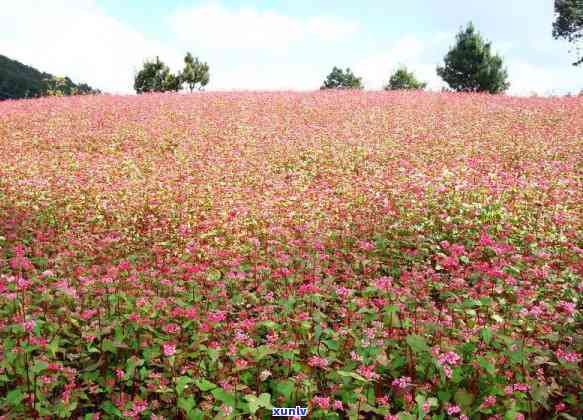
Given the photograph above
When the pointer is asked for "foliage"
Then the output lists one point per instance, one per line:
(63, 86)
(195, 73)
(20, 81)
(155, 76)
(342, 79)
(172, 82)
(470, 66)
(404, 79)
(568, 23)
(209, 256)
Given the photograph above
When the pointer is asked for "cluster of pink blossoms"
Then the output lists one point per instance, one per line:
(316, 361)
(446, 360)
(326, 403)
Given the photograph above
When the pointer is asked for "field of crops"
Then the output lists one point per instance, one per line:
(361, 254)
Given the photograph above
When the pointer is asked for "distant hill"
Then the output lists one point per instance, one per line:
(18, 80)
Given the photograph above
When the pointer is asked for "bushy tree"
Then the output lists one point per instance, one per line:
(404, 79)
(195, 73)
(342, 79)
(172, 82)
(155, 76)
(569, 24)
(470, 65)
(64, 86)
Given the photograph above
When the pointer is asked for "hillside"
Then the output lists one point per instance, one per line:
(394, 254)
(18, 81)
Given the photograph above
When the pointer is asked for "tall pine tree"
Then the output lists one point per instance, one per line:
(470, 65)
(569, 24)
(195, 73)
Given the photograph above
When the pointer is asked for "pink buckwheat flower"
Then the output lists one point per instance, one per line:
(316, 361)
(322, 402)
(169, 349)
(489, 401)
(368, 372)
(452, 410)
(171, 328)
(402, 382)
(119, 373)
(241, 363)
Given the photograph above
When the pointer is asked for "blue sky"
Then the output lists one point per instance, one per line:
(282, 44)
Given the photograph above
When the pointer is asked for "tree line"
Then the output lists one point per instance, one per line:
(19, 81)
(155, 76)
(469, 66)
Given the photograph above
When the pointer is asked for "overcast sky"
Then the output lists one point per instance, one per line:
(281, 44)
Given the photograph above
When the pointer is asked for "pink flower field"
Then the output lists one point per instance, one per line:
(362, 254)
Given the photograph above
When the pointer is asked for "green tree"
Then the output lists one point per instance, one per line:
(470, 65)
(404, 79)
(64, 86)
(568, 24)
(172, 82)
(339, 79)
(195, 73)
(21, 81)
(155, 76)
(58, 86)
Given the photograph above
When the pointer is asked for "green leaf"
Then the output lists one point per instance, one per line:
(417, 343)
(517, 357)
(132, 363)
(540, 394)
(204, 385)
(39, 366)
(269, 324)
(487, 335)
(487, 366)
(65, 411)
(181, 383)
(186, 404)
(196, 415)
(457, 375)
(110, 409)
(511, 414)
(463, 398)
(444, 396)
(260, 352)
(53, 346)
(108, 345)
(42, 262)
(265, 400)
(14, 397)
(351, 375)
(223, 396)
(331, 344)
(285, 388)
(498, 318)
(255, 403)
(215, 275)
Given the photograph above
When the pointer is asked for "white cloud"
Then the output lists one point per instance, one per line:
(273, 76)
(78, 40)
(215, 26)
(527, 78)
(418, 55)
(249, 48)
